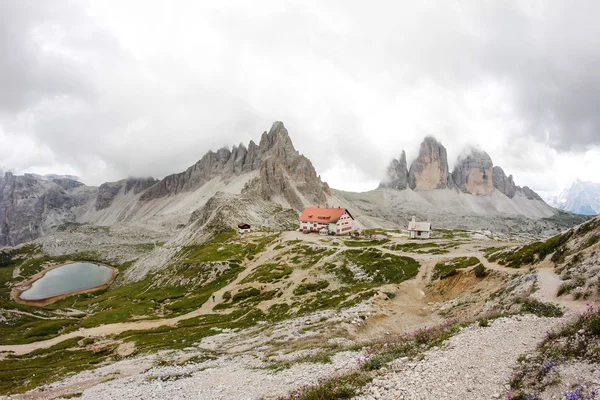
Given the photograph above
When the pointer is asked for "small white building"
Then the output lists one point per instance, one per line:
(335, 220)
(419, 230)
(244, 228)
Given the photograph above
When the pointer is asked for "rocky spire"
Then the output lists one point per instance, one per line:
(430, 170)
(285, 172)
(396, 174)
(503, 183)
(473, 173)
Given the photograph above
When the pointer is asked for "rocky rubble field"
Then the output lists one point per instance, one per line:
(475, 364)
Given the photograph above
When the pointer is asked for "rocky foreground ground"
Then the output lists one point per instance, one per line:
(476, 363)
(282, 358)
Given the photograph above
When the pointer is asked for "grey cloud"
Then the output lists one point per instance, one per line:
(28, 73)
(547, 55)
(318, 67)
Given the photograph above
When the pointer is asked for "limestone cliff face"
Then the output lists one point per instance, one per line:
(396, 174)
(430, 170)
(29, 206)
(282, 171)
(503, 183)
(473, 173)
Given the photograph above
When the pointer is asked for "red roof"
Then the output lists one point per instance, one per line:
(323, 215)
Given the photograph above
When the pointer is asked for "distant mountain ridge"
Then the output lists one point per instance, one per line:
(54, 177)
(474, 173)
(582, 197)
(264, 178)
(266, 185)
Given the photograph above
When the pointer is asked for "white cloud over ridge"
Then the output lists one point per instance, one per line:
(107, 90)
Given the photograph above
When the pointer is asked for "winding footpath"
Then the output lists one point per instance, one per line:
(547, 279)
(478, 362)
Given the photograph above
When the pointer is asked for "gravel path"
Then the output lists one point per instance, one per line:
(239, 377)
(475, 364)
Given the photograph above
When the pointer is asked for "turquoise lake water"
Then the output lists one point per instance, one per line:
(66, 279)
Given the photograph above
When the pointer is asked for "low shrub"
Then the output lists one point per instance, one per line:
(484, 323)
(593, 326)
(245, 294)
(305, 288)
(534, 252)
(448, 274)
(390, 295)
(480, 271)
(335, 388)
(448, 268)
(372, 364)
(531, 306)
(564, 288)
(578, 340)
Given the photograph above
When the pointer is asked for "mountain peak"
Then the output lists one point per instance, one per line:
(582, 197)
(473, 172)
(276, 160)
(430, 170)
(277, 140)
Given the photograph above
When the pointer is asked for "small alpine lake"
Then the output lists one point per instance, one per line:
(67, 279)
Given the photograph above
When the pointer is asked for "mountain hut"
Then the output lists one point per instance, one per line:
(337, 221)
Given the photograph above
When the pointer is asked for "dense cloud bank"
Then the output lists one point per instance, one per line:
(106, 90)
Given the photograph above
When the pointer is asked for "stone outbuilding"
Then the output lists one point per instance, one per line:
(419, 230)
(244, 228)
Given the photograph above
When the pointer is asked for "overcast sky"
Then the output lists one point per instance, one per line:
(106, 89)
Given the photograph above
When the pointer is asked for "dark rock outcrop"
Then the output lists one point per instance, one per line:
(430, 170)
(473, 173)
(396, 174)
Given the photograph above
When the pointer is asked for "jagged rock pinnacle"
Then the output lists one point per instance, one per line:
(396, 174)
(430, 170)
(473, 173)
